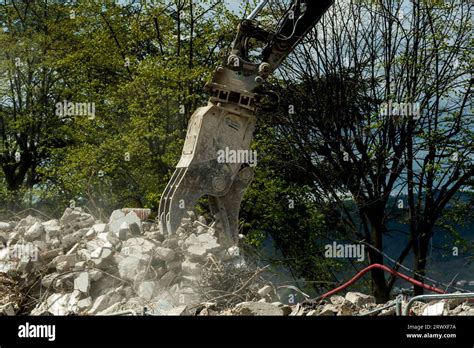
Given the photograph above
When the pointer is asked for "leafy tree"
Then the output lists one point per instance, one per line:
(359, 58)
(142, 66)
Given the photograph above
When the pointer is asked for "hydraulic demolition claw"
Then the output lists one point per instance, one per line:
(228, 121)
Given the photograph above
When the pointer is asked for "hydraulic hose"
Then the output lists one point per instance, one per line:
(386, 269)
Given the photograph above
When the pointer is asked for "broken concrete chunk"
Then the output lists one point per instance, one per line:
(70, 214)
(91, 233)
(69, 240)
(116, 214)
(100, 304)
(23, 265)
(209, 241)
(99, 241)
(285, 308)
(84, 254)
(142, 213)
(13, 238)
(52, 229)
(64, 263)
(178, 311)
(347, 308)
(164, 254)
(100, 228)
(84, 304)
(328, 310)
(100, 255)
(75, 219)
(434, 309)
(82, 283)
(297, 311)
(65, 282)
(200, 229)
(337, 300)
(132, 267)
(96, 230)
(229, 254)
(79, 266)
(360, 299)
(25, 224)
(257, 308)
(146, 290)
(4, 226)
(110, 241)
(162, 306)
(191, 268)
(190, 240)
(199, 246)
(55, 243)
(131, 219)
(95, 274)
(265, 291)
(34, 232)
(140, 246)
(59, 304)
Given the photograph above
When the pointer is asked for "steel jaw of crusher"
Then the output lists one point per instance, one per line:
(201, 170)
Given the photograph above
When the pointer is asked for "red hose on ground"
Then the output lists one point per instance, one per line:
(386, 269)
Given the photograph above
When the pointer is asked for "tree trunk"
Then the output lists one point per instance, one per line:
(379, 284)
(424, 233)
(375, 213)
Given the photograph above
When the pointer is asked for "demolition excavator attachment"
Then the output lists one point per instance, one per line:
(227, 123)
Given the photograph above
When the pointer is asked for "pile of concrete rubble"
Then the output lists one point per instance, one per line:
(91, 267)
(80, 266)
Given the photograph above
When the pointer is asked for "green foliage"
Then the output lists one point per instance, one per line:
(143, 68)
(280, 206)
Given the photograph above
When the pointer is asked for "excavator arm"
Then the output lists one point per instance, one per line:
(215, 157)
